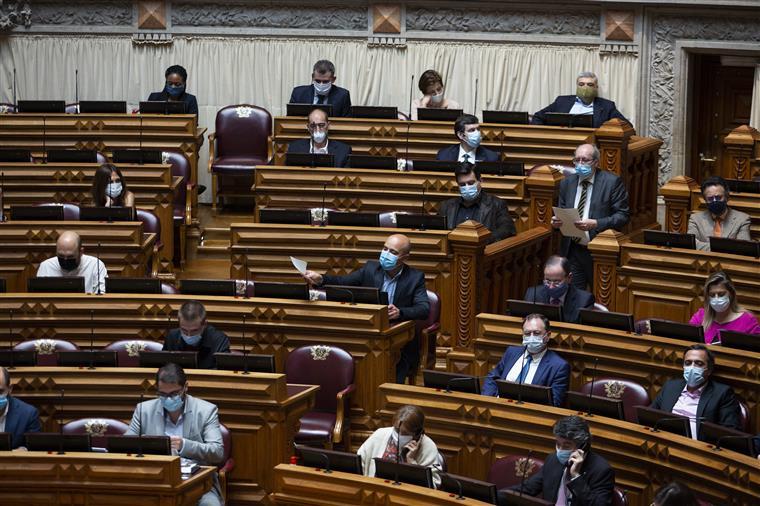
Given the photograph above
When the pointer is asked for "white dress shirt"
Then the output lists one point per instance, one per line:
(470, 154)
(578, 191)
(514, 372)
(579, 107)
(4, 417)
(318, 151)
(90, 268)
(174, 429)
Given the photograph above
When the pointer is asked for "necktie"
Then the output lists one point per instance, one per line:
(524, 372)
(465, 158)
(554, 301)
(718, 227)
(582, 203)
(562, 492)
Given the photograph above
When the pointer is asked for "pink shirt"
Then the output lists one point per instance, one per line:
(746, 323)
(687, 406)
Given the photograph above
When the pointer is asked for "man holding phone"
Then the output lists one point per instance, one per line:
(574, 474)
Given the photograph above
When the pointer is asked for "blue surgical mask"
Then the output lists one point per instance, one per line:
(174, 91)
(473, 138)
(192, 340)
(555, 292)
(172, 404)
(113, 190)
(388, 260)
(322, 88)
(563, 456)
(403, 440)
(319, 136)
(583, 170)
(534, 344)
(720, 304)
(3, 402)
(469, 191)
(694, 376)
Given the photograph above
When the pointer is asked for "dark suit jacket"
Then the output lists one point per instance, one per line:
(339, 98)
(191, 104)
(212, 341)
(411, 295)
(451, 154)
(594, 487)
(717, 404)
(339, 149)
(575, 300)
(609, 203)
(604, 110)
(553, 371)
(494, 215)
(21, 418)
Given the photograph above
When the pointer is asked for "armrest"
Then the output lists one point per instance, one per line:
(211, 150)
(189, 202)
(270, 148)
(340, 414)
(228, 466)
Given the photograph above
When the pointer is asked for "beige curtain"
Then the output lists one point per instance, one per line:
(225, 71)
(754, 117)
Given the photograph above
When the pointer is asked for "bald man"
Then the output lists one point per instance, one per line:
(407, 296)
(71, 262)
(318, 126)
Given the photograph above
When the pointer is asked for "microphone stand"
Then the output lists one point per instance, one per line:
(60, 428)
(92, 337)
(10, 336)
(349, 292)
(398, 454)
(323, 218)
(76, 88)
(139, 427)
(44, 140)
(525, 471)
(520, 383)
(245, 351)
(591, 392)
(15, 102)
(100, 292)
(409, 124)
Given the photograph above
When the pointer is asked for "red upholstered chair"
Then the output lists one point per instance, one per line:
(332, 369)
(128, 350)
(619, 497)
(508, 471)
(228, 463)
(168, 288)
(70, 211)
(631, 393)
(241, 141)
(427, 332)
(151, 225)
(98, 428)
(46, 349)
(183, 203)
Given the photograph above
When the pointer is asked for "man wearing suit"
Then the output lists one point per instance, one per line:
(718, 220)
(16, 416)
(602, 202)
(475, 204)
(557, 289)
(532, 363)
(584, 101)
(319, 126)
(696, 395)
(574, 474)
(192, 424)
(195, 334)
(322, 90)
(405, 286)
(467, 130)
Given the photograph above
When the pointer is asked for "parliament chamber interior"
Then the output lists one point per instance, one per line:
(248, 249)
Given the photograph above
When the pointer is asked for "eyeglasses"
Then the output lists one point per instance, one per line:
(170, 394)
(553, 282)
(714, 198)
(582, 160)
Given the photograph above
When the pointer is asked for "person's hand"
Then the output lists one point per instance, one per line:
(576, 461)
(176, 442)
(412, 448)
(312, 278)
(585, 225)
(556, 222)
(425, 101)
(393, 312)
(109, 201)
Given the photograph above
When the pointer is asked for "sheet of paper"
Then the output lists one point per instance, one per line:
(568, 217)
(300, 265)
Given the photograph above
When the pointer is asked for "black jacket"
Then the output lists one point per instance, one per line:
(191, 104)
(411, 295)
(717, 404)
(339, 98)
(212, 341)
(594, 487)
(21, 418)
(451, 154)
(336, 148)
(604, 110)
(575, 300)
(493, 215)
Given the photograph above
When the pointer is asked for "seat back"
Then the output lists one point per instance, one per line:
(98, 428)
(330, 367)
(433, 316)
(70, 211)
(180, 168)
(243, 130)
(6, 108)
(101, 158)
(168, 288)
(151, 223)
(743, 416)
(619, 497)
(631, 393)
(508, 471)
(72, 108)
(388, 220)
(128, 350)
(47, 349)
(227, 442)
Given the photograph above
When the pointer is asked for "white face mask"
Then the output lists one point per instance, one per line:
(319, 136)
(113, 190)
(404, 440)
(720, 304)
(436, 99)
(322, 88)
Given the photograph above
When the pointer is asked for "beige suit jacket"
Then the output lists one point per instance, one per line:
(735, 226)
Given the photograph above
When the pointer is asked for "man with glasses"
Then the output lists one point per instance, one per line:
(318, 126)
(532, 363)
(585, 101)
(602, 203)
(718, 220)
(322, 90)
(192, 424)
(558, 290)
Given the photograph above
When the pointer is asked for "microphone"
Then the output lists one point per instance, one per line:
(245, 351)
(100, 292)
(327, 462)
(475, 105)
(525, 471)
(398, 453)
(10, 336)
(44, 140)
(15, 102)
(2, 185)
(142, 159)
(139, 427)
(92, 335)
(245, 289)
(345, 290)
(591, 392)
(76, 88)
(501, 154)
(423, 205)
(720, 440)
(409, 123)
(323, 218)
(60, 428)
(522, 380)
(461, 380)
(459, 496)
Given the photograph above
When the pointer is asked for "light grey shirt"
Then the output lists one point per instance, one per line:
(90, 268)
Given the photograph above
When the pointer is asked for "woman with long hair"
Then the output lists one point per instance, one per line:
(109, 189)
(722, 311)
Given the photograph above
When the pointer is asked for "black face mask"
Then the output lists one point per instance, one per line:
(68, 264)
(717, 207)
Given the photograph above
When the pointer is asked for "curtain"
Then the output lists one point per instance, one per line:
(754, 116)
(261, 71)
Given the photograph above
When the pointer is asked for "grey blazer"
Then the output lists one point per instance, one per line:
(735, 226)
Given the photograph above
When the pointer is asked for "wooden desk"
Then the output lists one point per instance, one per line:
(29, 478)
(646, 359)
(261, 410)
(105, 133)
(741, 154)
(124, 248)
(299, 486)
(473, 431)
(153, 186)
(273, 326)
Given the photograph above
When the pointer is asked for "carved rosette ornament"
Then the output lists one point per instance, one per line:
(13, 15)
(96, 427)
(614, 389)
(319, 352)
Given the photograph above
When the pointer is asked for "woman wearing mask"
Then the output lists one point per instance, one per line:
(109, 189)
(407, 433)
(174, 90)
(722, 311)
(431, 86)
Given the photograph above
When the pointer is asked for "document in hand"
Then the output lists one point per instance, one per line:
(299, 264)
(569, 217)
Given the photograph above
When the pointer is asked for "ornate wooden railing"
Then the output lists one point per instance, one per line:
(741, 158)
